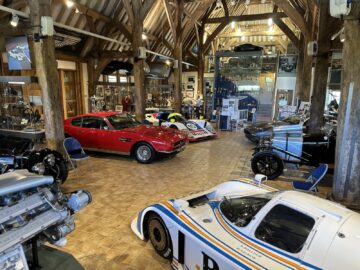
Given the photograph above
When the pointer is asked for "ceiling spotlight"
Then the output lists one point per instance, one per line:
(232, 25)
(263, 1)
(14, 20)
(247, 2)
(243, 38)
(270, 22)
(144, 36)
(167, 62)
(233, 2)
(271, 28)
(218, 4)
(77, 10)
(69, 3)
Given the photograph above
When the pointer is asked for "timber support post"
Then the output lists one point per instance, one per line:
(346, 187)
(321, 70)
(139, 74)
(46, 71)
(201, 67)
(178, 54)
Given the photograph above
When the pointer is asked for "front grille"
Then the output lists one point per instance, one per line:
(179, 144)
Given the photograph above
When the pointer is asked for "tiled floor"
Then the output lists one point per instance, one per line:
(121, 188)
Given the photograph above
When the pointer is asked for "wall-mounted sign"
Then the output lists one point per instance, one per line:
(18, 53)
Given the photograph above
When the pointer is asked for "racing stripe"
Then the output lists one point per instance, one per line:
(220, 247)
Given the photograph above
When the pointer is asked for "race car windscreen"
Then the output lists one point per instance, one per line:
(241, 210)
(121, 121)
(179, 118)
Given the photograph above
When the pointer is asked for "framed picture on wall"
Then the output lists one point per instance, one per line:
(100, 91)
(191, 79)
(108, 92)
(190, 94)
(118, 108)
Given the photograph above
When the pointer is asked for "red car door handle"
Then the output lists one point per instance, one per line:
(81, 131)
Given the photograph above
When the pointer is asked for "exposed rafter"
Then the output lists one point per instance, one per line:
(243, 18)
(294, 15)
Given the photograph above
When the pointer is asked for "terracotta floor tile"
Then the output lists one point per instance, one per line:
(121, 187)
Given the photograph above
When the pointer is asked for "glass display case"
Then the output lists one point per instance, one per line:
(21, 110)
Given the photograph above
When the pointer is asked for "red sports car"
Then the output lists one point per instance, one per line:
(115, 132)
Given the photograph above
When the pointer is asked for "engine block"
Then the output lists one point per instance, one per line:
(34, 206)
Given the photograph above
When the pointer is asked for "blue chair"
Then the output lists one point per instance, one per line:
(74, 151)
(315, 177)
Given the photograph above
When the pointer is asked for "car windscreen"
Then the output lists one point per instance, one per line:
(179, 119)
(121, 121)
(241, 210)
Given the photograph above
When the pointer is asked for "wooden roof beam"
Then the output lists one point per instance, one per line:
(294, 15)
(288, 32)
(169, 17)
(243, 18)
(86, 11)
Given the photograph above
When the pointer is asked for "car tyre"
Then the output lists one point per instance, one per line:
(144, 153)
(174, 127)
(159, 236)
(267, 163)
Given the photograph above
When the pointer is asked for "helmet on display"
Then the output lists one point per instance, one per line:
(172, 120)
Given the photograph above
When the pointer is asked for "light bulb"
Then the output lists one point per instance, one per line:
(69, 3)
(14, 20)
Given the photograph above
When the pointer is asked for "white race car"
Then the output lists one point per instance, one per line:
(152, 113)
(244, 224)
(195, 129)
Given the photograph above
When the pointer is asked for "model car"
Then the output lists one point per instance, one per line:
(196, 129)
(293, 146)
(120, 133)
(245, 224)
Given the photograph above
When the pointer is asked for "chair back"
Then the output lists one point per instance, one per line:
(319, 173)
(72, 145)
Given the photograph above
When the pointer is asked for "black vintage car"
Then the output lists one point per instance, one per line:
(266, 129)
(259, 130)
(270, 155)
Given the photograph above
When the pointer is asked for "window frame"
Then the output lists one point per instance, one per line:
(94, 117)
(74, 119)
(266, 211)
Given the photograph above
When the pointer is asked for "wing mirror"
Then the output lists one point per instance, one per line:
(260, 178)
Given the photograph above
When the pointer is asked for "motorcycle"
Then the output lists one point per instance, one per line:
(272, 154)
(18, 155)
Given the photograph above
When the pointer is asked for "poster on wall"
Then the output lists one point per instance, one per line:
(18, 53)
(287, 65)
